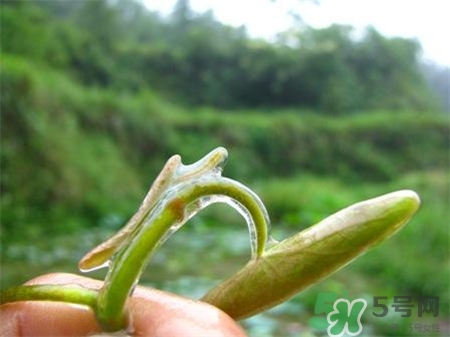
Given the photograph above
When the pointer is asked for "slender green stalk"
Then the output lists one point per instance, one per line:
(125, 271)
(128, 264)
(60, 293)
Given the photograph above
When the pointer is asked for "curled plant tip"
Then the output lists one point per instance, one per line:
(99, 256)
(188, 190)
(172, 174)
(313, 254)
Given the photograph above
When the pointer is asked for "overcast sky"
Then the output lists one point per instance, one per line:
(426, 20)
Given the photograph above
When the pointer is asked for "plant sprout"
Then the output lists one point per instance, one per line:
(276, 270)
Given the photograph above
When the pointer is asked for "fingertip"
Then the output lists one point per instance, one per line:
(157, 313)
(46, 319)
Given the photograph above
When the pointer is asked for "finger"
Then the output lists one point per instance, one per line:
(154, 313)
(46, 319)
(40, 318)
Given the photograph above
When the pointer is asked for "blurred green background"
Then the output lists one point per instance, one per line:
(97, 95)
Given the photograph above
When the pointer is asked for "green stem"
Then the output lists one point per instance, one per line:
(60, 293)
(132, 258)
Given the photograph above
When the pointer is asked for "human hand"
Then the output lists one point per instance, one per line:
(154, 313)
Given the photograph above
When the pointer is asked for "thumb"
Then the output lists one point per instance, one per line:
(154, 313)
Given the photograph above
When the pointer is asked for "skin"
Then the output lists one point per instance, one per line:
(154, 313)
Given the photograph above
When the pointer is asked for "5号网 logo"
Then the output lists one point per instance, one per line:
(343, 317)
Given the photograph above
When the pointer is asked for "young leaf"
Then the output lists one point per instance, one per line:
(309, 256)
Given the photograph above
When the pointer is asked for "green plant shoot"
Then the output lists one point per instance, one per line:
(271, 276)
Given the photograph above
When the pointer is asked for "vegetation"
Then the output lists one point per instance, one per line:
(194, 59)
(89, 140)
(96, 95)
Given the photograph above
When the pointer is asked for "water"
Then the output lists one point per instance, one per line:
(190, 263)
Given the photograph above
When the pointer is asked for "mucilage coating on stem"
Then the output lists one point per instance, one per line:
(186, 191)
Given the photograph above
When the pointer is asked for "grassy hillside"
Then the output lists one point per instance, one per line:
(93, 150)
